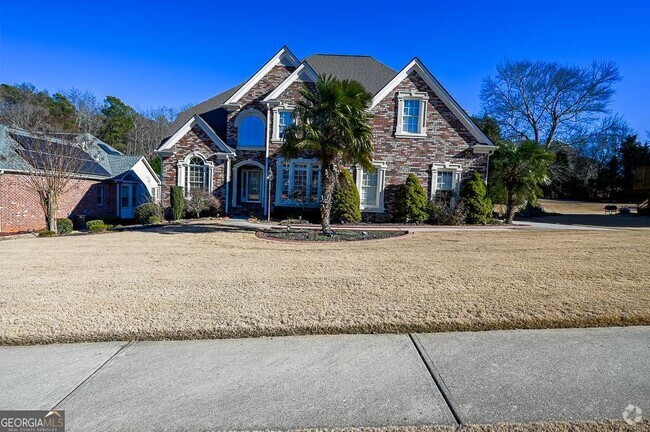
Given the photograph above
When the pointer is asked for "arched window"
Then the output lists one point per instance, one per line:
(195, 172)
(250, 129)
(196, 178)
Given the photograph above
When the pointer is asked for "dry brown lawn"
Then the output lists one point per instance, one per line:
(207, 281)
(578, 207)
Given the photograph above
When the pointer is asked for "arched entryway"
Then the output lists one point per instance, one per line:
(248, 185)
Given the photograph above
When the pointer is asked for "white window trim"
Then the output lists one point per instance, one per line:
(182, 169)
(240, 117)
(456, 169)
(380, 168)
(244, 190)
(423, 97)
(276, 121)
(278, 181)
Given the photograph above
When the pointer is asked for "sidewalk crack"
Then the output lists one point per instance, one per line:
(122, 348)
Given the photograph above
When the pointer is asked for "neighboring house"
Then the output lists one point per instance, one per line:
(229, 143)
(108, 184)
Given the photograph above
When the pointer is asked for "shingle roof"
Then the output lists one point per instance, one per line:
(112, 162)
(210, 110)
(372, 74)
(121, 163)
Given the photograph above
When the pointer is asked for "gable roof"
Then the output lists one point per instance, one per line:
(418, 67)
(104, 162)
(304, 72)
(195, 120)
(284, 56)
(372, 74)
(209, 109)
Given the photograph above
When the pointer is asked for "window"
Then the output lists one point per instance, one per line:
(196, 178)
(285, 118)
(445, 181)
(298, 183)
(100, 196)
(194, 172)
(282, 117)
(250, 129)
(126, 189)
(411, 115)
(371, 187)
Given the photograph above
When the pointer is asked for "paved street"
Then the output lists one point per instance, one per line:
(334, 381)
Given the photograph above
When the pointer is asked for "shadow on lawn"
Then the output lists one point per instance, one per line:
(194, 228)
(608, 221)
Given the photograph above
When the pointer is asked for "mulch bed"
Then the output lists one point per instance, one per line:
(338, 235)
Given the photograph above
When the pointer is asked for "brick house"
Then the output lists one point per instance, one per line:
(229, 144)
(108, 184)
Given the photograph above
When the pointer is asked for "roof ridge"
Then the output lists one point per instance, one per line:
(341, 55)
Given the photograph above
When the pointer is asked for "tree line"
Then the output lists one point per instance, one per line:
(129, 130)
(590, 151)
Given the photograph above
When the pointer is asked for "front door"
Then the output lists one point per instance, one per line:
(127, 201)
(252, 187)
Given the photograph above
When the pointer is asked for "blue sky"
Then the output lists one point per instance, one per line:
(152, 53)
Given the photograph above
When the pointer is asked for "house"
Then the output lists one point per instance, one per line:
(107, 183)
(229, 144)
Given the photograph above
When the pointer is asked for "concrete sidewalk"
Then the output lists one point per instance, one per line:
(335, 381)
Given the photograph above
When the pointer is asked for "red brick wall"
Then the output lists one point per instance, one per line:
(194, 140)
(447, 140)
(253, 97)
(20, 209)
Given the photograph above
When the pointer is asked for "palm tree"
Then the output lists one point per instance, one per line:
(333, 124)
(517, 172)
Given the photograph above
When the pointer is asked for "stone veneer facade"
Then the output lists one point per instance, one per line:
(446, 140)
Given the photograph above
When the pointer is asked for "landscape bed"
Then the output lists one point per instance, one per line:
(209, 281)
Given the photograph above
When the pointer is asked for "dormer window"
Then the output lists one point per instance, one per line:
(411, 116)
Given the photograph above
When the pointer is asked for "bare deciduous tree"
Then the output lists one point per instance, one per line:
(25, 115)
(88, 111)
(53, 169)
(547, 101)
(150, 127)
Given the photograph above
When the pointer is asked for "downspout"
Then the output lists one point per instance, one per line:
(267, 182)
(227, 183)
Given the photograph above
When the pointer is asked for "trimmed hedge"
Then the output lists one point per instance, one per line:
(345, 205)
(96, 226)
(412, 202)
(177, 198)
(149, 213)
(47, 234)
(64, 226)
